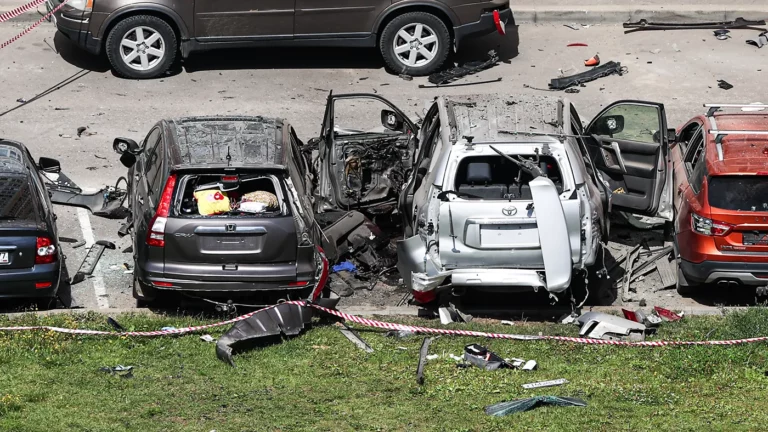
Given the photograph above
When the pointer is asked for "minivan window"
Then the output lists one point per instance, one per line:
(18, 200)
(740, 193)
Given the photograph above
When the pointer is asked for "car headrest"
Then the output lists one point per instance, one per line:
(479, 172)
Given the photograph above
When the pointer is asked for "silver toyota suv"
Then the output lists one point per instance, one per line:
(500, 192)
(512, 194)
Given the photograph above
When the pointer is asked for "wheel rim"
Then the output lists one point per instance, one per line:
(415, 45)
(142, 48)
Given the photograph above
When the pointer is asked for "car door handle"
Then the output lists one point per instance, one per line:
(680, 189)
(136, 177)
(140, 199)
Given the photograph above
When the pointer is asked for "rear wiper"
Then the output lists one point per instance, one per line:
(529, 167)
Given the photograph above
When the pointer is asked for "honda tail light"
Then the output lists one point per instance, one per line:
(709, 227)
(156, 233)
(46, 251)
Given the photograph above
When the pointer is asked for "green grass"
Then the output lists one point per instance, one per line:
(321, 382)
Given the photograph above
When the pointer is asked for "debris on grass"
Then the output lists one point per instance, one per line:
(423, 352)
(520, 405)
(541, 384)
(355, 338)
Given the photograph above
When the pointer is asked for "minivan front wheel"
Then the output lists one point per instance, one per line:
(415, 43)
(141, 46)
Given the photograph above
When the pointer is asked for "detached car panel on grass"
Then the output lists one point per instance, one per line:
(506, 192)
(142, 39)
(30, 255)
(218, 205)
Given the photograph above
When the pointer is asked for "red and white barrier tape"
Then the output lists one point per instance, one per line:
(32, 27)
(392, 326)
(455, 332)
(5, 16)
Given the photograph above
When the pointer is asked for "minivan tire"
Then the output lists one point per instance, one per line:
(432, 26)
(149, 26)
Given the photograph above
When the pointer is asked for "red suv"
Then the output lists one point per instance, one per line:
(721, 198)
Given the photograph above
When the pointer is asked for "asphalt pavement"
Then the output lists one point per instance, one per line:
(679, 68)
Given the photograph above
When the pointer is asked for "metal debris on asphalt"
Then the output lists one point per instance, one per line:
(605, 70)
(469, 68)
(646, 25)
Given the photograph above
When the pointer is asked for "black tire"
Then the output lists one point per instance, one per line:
(444, 43)
(153, 23)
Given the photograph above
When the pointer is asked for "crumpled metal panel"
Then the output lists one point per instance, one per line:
(282, 320)
(247, 141)
(520, 405)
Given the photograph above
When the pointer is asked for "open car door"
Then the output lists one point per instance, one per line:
(629, 144)
(365, 154)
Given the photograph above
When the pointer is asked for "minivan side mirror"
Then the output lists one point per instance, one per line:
(609, 125)
(392, 121)
(126, 145)
(49, 165)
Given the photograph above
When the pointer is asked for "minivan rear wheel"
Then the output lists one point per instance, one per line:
(141, 47)
(415, 43)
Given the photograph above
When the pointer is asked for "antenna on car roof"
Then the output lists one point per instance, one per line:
(229, 158)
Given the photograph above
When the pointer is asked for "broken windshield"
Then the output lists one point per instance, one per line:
(742, 193)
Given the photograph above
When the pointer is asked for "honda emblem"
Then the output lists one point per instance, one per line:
(230, 227)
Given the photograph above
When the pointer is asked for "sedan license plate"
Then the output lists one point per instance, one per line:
(5, 258)
(755, 239)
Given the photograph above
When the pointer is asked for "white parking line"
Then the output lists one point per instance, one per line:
(102, 301)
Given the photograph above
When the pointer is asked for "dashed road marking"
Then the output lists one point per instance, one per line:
(102, 301)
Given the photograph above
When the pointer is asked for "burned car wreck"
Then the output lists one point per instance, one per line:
(489, 189)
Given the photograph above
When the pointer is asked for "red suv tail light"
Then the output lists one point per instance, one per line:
(156, 233)
(46, 251)
(709, 227)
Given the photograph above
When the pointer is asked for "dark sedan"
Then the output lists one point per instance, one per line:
(30, 256)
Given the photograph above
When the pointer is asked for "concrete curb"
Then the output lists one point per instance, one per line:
(409, 311)
(611, 14)
(607, 14)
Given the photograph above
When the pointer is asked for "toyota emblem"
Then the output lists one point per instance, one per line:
(509, 211)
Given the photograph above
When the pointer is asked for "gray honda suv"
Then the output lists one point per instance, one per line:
(218, 208)
(142, 38)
